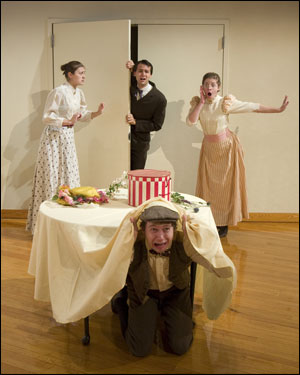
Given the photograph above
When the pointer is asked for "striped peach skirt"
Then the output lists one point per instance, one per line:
(221, 178)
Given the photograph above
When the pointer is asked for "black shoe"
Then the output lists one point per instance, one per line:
(119, 301)
(223, 230)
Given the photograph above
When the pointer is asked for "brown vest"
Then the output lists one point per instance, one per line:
(138, 273)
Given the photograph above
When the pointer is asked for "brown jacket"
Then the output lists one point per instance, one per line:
(138, 273)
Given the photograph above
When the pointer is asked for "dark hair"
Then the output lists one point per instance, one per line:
(71, 67)
(213, 76)
(144, 62)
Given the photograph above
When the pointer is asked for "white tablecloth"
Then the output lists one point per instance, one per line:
(80, 255)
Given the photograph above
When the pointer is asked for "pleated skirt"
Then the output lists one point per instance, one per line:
(221, 178)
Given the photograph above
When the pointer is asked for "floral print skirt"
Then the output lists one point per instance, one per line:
(57, 164)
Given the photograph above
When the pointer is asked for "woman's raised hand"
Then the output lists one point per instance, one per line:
(202, 95)
(284, 104)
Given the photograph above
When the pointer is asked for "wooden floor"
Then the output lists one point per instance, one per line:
(259, 334)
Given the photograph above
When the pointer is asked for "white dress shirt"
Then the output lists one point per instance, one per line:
(145, 91)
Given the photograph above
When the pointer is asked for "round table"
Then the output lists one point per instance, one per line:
(91, 226)
(70, 242)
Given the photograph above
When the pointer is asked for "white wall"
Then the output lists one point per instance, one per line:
(263, 67)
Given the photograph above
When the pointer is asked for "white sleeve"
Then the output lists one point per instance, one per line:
(51, 114)
(232, 105)
(85, 114)
(195, 100)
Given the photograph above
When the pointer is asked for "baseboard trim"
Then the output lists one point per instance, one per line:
(254, 216)
(273, 217)
(14, 214)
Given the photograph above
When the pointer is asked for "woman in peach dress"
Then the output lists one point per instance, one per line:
(221, 173)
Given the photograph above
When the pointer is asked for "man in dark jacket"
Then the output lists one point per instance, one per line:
(157, 281)
(148, 108)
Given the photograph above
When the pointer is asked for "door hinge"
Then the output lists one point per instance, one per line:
(223, 42)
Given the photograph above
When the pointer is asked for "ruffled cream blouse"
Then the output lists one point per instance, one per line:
(214, 114)
(62, 103)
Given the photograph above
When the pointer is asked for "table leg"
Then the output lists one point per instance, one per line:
(86, 338)
(192, 286)
(193, 279)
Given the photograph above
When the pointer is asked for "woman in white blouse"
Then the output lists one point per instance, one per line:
(221, 172)
(57, 162)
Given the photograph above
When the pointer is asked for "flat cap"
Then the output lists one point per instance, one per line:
(159, 213)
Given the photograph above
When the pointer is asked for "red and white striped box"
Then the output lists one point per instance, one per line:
(144, 184)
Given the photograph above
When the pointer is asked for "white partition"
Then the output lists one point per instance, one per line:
(181, 54)
(103, 47)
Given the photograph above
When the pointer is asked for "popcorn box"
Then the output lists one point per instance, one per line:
(144, 184)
